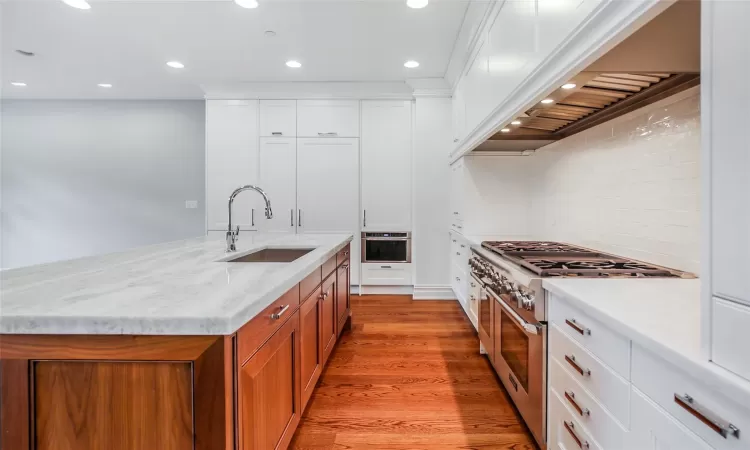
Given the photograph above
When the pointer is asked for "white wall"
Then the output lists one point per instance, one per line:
(90, 177)
(433, 140)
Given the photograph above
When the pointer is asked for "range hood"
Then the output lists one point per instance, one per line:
(659, 60)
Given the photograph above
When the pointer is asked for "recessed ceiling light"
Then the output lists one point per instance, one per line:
(416, 4)
(547, 101)
(505, 130)
(18, 84)
(104, 85)
(247, 3)
(80, 4)
(568, 85)
(176, 65)
(516, 122)
(294, 64)
(411, 64)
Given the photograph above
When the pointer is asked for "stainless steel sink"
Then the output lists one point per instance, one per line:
(273, 255)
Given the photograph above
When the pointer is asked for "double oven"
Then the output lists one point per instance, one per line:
(515, 341)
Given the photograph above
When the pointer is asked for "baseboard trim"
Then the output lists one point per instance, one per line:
(386, 290)
(434, 292)
(354, 289)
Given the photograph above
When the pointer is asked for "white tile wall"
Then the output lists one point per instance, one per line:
(630, 186)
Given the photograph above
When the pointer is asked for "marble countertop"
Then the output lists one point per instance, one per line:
(177, 288)
(660, 315)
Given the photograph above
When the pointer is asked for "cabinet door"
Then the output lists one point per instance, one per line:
(278, 118)
(328, 118)
(386, 149)
(328, 317)
(342, 295)
(278, 177)
(311, 351)
(269, 391)
(231, 161)
(459, 112)
(328, 185)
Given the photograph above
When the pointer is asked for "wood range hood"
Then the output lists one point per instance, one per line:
(657, 61)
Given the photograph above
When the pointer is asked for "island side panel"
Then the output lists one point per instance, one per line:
(117, 392)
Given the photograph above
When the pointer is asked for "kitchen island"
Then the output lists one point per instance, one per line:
(170, 346)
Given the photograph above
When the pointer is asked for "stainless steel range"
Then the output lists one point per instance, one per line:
(512, 313)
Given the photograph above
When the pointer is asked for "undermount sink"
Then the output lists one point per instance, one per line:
(273, 255)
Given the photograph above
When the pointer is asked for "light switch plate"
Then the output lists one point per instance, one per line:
(191, 204)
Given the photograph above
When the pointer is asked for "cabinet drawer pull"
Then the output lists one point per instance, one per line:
(454, 240)
(714, 422)
(345, 267)
(572, 361)
(574, 325)
(570, 426)
(346, 253)
(473, 284)
(571, 398)
(458, 279)
(330, 134)
(463, 246)
(276, 133)
(386, 267)
(458, 253)
(291, 217)
(277, 315)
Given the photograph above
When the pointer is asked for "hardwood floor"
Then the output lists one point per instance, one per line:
(409, 376)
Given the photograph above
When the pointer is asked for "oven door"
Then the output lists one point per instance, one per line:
(386, 249)
(520, 350)
(484, 322)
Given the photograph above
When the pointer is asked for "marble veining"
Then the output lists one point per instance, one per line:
(177, 288)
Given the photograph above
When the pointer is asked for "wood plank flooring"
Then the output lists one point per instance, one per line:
(409, 376)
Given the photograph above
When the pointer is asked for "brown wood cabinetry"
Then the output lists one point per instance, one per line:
(246, 391)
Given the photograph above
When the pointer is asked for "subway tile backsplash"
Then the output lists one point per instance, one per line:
(630, 186)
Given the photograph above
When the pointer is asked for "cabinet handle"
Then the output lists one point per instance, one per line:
(346, 253)
(472, 298)
(345, 267)
(460, 227)
(571, 429)
(276, 133)
(571, 398)
(277, 315)
(386, 267)
(291, 217)
(252, 217)
(572, 361)
(299, 218)
(463, 246)
(714, 422)
(458, 279)
(454, 240)
(330, 134)
(574, 325)
(364, 218)
(458, 253)
(473, 284)
(323, 296)
(455, 140)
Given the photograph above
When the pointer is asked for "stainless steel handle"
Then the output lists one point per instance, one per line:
(713, 421)
(472, 298)
(458, 253)
(570, 426)
(364, 218)
(454, 240)
(346, 253)
(345, 266)
(291, 217)
(329, 134)
(574, 364)
(455, 140)
(460, 227)
(323, 296)
(277, 315)
(299, 217)
(276, 133)
(571, 398)
(386, 267)
(528, 327)
(463, 246)
(458, 279)
(574, 325)
(472, 284)
(252, 217)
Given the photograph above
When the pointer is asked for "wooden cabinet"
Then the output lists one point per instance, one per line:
(343, 296)
(231, 162)
(278, 118)
(278, 177)
(328, 118)
(725, 98)
(311, 361)
(328, 317)
(386, 148)
(269, 403)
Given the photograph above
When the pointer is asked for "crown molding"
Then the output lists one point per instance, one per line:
(430, 87)
(397, 90)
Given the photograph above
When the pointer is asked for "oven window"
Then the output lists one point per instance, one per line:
(514, 348)
(386, 251)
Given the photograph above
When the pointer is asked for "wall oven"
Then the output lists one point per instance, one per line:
(386, 247)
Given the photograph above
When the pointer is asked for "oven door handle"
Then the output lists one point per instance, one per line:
(385, 239)
(528, 327)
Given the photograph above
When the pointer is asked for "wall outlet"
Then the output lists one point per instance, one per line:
(191, 204)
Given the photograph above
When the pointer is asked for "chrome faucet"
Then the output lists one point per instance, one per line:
(232, 234)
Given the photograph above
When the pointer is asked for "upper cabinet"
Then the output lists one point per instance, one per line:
(458, 106)
(231, 161)
(278, 118)
(386, 165)
(328, 118)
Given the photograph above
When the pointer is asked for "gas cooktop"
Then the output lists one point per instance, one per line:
(554, 259)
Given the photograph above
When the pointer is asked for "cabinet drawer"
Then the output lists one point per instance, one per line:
(730, 335)
(661, 382)
(329, 266)
(343, 255)
(565, 431)
(309, 284)
(586, 409)
(388, 274)
(278, 118)
(606, 345)
(604, 384)
(254, 333)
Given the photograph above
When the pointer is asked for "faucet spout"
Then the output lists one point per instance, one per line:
(232, 234)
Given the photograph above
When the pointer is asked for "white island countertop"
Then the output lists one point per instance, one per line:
(177, 288)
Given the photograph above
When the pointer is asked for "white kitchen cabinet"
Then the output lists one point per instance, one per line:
(386, 165)
(328, 185)
(232, 161)
(477, 103)
(278, 177)
(458, 111)
(278, 118)
(328, 118)
(457, 195)
(725, 108)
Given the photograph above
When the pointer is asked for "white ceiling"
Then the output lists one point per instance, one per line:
(127, 43)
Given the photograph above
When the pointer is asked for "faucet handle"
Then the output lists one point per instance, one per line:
(237, 232)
